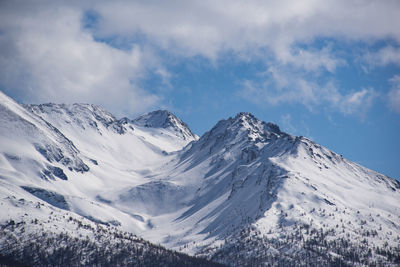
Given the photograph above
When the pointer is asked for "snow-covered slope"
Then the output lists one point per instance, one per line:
(31, 147)
(243, 194)
(37, 233)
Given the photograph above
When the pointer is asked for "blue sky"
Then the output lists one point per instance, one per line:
(328, 70)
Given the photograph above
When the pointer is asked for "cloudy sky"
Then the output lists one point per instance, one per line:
(328, 70)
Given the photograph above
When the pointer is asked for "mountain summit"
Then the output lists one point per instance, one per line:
(243, 194)
(244, 127)
(167, 120)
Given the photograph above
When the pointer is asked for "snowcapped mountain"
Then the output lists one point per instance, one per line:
(250, 181)
(244, 193)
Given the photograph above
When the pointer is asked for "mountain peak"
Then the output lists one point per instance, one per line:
(247, 125)
(244, 131)
(166, 120)
(243, 115)
(156, 119)
(249, 121)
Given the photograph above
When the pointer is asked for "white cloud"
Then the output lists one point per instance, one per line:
(286, 124)
(297, 91)
(47, 55)
(357, 102)
(205, 27)
(280, 86)
(394, 94)
(314, 60)
(384, 56)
